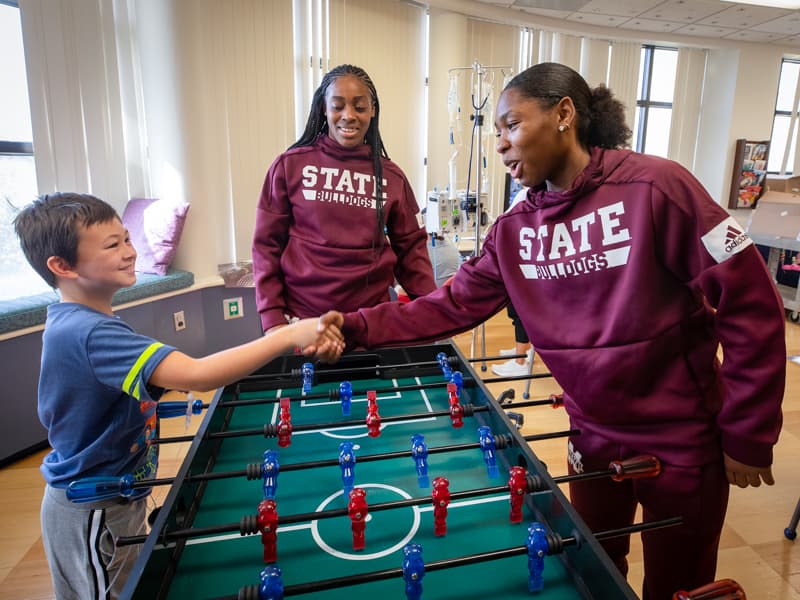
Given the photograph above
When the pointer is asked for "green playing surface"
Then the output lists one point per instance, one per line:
(315, 549)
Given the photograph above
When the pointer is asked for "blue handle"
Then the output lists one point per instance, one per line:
(92, 489)
(177, 408)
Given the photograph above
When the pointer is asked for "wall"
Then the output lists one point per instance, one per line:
(206, 332)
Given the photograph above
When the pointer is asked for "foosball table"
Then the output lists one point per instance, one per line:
(391, 474)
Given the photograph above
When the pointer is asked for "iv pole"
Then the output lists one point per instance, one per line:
(480, 70)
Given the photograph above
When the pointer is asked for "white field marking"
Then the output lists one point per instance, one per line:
(424, 396)
(311, 525)
(276, 406)
(312, 403)
(320, 402)
(336, 435)
(350, 556)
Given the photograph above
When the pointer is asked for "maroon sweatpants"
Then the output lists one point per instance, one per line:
(676, 558)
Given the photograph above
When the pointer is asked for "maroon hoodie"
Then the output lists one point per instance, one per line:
(626, 283)
(314, 247)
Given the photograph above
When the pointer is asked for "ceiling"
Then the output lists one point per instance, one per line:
(703, 18)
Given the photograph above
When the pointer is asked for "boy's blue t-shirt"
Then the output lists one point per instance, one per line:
(93, 396)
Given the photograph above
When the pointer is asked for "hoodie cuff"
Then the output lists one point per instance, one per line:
(272, 317)
(354, 330)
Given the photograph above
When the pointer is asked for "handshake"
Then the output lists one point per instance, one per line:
(321, 338)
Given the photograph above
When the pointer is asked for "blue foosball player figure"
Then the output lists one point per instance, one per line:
(537, 550)
(488, 447)
(419, 451)
(441, 358)
(413, 571)
(347, 463)
(307, 370)
(458, 378)
(271, 587)
(346, 397)
(270, 469)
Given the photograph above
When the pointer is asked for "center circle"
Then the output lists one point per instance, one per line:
(361, 556)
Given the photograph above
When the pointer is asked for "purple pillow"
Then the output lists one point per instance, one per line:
(155, 227)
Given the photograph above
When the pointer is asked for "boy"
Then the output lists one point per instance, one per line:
(100, 382)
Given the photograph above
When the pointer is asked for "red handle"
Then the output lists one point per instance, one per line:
(635, 468)
(724, 589)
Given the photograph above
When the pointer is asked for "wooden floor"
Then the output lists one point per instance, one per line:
(753, 551)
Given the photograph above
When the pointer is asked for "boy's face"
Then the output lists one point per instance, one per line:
(106, 257)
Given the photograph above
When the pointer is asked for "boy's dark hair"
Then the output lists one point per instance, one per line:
(317, 124)
(601, 117)
(49, 226)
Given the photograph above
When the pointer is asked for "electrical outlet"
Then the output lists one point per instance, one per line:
(180, 320)
(232, 308)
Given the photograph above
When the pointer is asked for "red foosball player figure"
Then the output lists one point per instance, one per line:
(373, 418)
(268, 524)
(358, 511)
(456, 410)
(441, 498)
(518, 486)
(285, 424)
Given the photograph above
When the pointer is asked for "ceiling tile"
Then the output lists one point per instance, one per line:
(708, 18)
(568, 5)
(651, 25)
(705, 31)
(748, 35)
(553, 14)
(740, 16)
(684, 11)
(595, 19)
(787, 25)
(791, 41)
(629, 8)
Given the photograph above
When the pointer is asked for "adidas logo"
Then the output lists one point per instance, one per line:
(733, 238)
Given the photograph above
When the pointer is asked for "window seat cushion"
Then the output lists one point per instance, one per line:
(30, 311)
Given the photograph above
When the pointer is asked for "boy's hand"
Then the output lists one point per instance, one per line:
(744, 475)
(327, 343)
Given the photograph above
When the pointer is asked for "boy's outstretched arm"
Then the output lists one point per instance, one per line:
(178, 371)
(744, 475)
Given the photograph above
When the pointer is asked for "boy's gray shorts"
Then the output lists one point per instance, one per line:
(79, 540)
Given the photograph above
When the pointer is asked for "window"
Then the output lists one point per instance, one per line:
(17, 169)
(781, 158)
(657, 71)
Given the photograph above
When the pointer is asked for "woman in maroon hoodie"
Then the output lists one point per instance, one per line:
(628, 277)
(337, 224)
